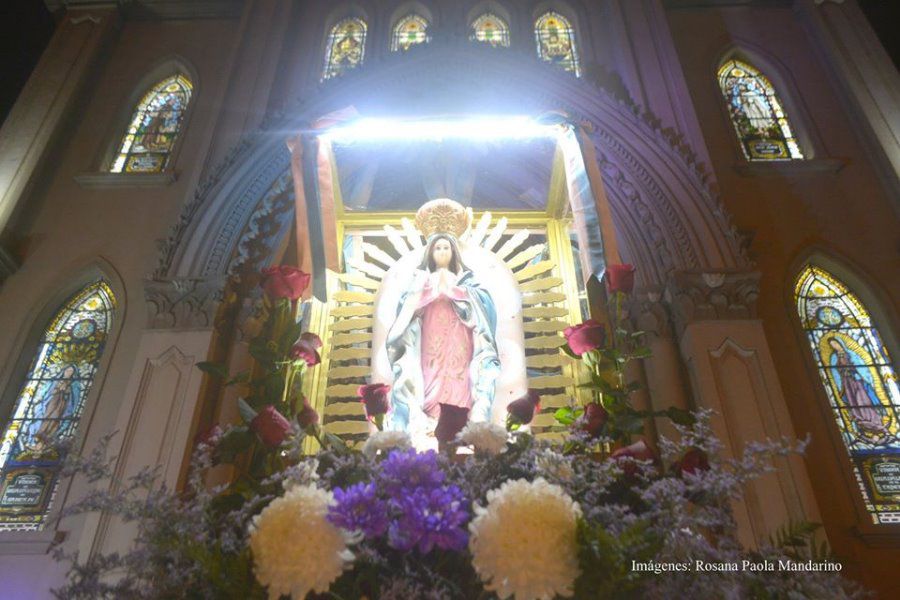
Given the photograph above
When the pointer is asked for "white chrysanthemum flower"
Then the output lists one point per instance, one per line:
(484, 437)
(295, 548)
(524, 542)
(554, 465)
(386, 440)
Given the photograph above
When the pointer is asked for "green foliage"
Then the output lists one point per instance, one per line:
(236, 441)
(568, 414)
(605, 560)
(797, 540)
(214, 369)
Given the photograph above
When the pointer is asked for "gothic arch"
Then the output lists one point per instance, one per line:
(781, 78)
(666, 214)
(858, 279)
(488, 6)
(815, 262)
(78, 277)
(343, 12)
(162, 68)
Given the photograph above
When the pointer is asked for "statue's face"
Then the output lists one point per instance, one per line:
(442, 254)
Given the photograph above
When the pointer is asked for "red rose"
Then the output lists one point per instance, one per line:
(306, 347)
(307, 417)
(694, 460)
(594, 418)
(588, 336)
(523, 410)
(636, 451)
(271, 426)
(284, 282)
(376, 398)
(620, 278)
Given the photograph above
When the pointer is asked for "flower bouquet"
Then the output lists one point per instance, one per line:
(598, 515)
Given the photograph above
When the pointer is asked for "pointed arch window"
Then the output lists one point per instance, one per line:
(860, 382)
(409, 31)
(346, 47)
(490, 29)
(154, 127)
(555, 39)
(757, 113)
(49, 406)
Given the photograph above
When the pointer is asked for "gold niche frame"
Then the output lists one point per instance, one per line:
(554, 293)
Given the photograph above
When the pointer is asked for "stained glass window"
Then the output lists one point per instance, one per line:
(861, 385)
(556, 41)
(154, 127)
(490, 29)
(410, 30)
(49, 406)
(757, 113)
(346, 47)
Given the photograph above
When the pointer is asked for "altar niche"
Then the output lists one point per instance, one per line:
(547, 297)
(520, 244)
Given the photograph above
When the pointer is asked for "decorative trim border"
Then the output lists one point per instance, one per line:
(125, 180)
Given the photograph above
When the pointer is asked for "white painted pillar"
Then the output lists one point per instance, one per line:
(731, 371)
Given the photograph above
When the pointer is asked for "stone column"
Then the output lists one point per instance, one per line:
(664, 373)
(156, 421)
(31, 127)
(731, 371)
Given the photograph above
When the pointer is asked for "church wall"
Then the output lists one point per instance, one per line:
(833, 203)
(272, 56)
(69, 227)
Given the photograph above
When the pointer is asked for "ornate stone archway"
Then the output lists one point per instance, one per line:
(699, 287)
(667, 215)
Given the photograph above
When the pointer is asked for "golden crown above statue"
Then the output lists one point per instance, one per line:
(443, 215)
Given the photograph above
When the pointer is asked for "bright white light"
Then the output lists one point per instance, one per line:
(480, 128)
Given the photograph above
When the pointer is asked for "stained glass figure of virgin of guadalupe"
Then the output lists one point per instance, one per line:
(442, 345)
(50, 405)
(861, 384)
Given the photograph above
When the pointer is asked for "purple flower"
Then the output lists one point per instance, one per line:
(429, 518)
(405, 470)
(358, 508)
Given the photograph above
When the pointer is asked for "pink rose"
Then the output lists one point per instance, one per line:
(620, 278)
(523, 410)
(594, 418)
(376, 398)
(271, 426)
(284, 282)
(306, 349)
(585, 337)
(636, 451)
(694, 460)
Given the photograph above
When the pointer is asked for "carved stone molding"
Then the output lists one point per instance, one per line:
(657, 187)
(182, 303)
(712, 295)
(650, 314)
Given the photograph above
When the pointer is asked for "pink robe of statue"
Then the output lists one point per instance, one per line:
(446, 350)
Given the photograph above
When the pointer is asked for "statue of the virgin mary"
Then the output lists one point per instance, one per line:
(442, 347)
